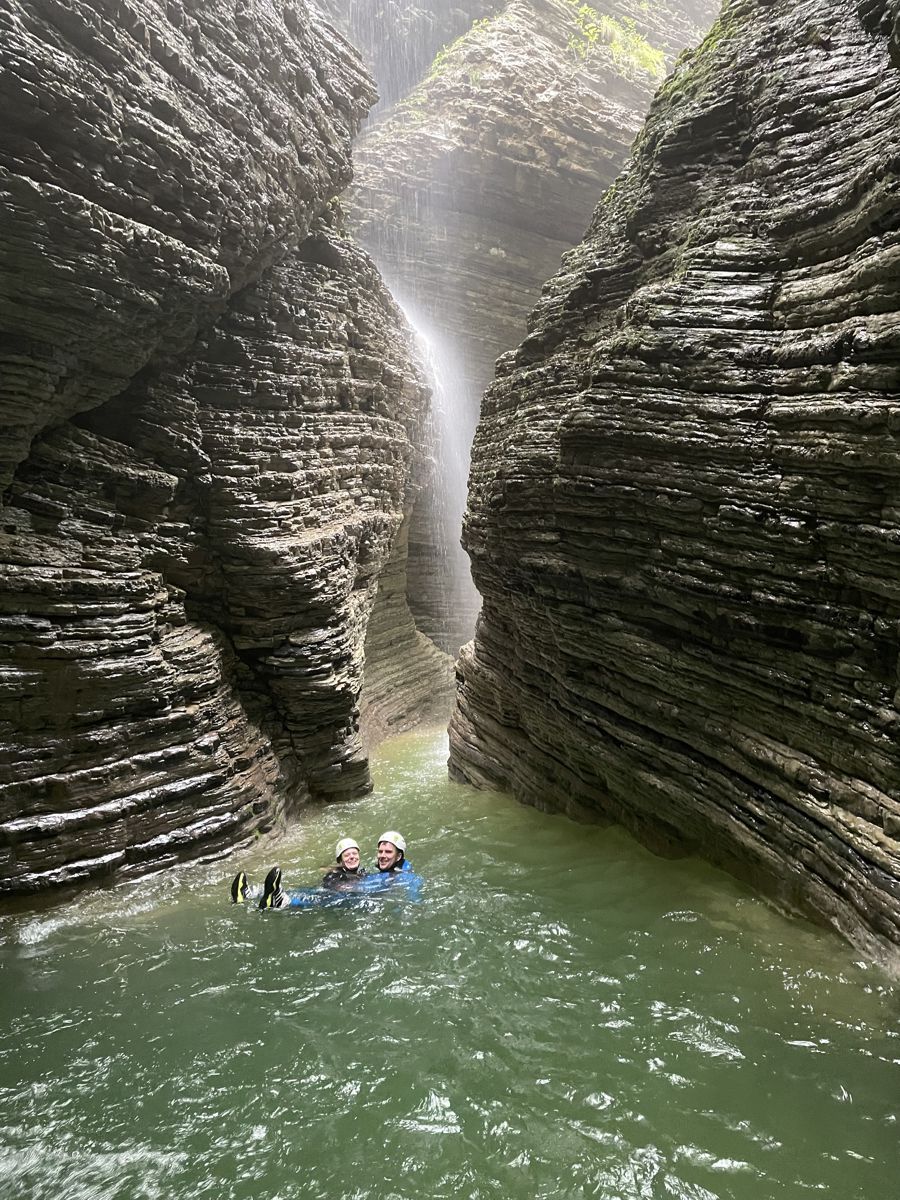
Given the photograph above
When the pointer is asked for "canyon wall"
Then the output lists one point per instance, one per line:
(684, 512)
(213, 435)
(471, 187)
(399, 38)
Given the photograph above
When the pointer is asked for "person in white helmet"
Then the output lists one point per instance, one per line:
(390, 859)
(348, 868)
(391, 854)
(344, 873)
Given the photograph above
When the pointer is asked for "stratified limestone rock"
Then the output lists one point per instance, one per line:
(154, 158)
(122, 742)
(192, 530)
(399, 38)
(469, 193)
(191, 572)
(670, 27)
(407, 679)
(684, 508)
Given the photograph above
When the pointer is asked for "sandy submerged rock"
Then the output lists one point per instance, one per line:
(683, 507)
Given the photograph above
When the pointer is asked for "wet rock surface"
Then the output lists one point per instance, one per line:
(683, 506)
(407, 679)
(212, 434)
(153, 161)
(473, 187)
(399, 38)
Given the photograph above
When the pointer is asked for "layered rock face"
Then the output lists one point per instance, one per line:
(214, 426)
(469, 191)
(400, 38)
(407, 679)
(684, 500)
(153, 161)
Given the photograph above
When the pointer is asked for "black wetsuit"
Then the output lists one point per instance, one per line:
(342, 874)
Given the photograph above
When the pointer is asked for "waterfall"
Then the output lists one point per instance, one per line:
(448, 602)
(400, 227)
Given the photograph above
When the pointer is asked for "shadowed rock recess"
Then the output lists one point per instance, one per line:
(212, 432)
(684, 505)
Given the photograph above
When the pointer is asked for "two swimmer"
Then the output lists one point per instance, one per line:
(347, 872)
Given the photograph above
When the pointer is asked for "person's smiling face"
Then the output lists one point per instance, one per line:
(350, 859)
(388, 855)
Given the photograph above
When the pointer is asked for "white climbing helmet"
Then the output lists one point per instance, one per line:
(395, 838)
(345, 844)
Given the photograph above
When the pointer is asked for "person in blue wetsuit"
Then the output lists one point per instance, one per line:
(391, 853)
(391, 861)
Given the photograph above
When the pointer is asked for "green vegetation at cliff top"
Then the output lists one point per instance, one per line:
(619, 37)
(628, 48)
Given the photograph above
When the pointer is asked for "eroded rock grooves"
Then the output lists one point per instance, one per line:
(213, 434)
(684, 495)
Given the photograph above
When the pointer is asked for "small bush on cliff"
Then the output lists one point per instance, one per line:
(628, 48)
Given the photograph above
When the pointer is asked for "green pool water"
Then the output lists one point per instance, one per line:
(562, 1015)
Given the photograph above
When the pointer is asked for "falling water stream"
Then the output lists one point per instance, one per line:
(562, 1015)
(453, 417)
(402, 223)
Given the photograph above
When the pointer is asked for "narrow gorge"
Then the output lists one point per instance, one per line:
(449, 599)
(260, 261)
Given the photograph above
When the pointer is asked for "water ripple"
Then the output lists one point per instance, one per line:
(562, 1016)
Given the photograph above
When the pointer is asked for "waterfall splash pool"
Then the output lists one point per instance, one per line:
(563, 1015)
